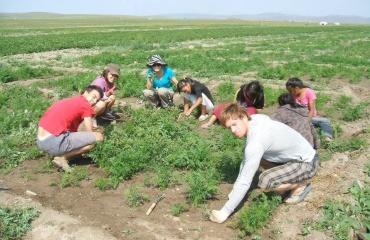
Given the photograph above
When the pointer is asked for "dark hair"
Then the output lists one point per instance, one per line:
(105, 74)
(90, 88)
(182, 83)
(295, 82)
(287, 98)
(255, 90)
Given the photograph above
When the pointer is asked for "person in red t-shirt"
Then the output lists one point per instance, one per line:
(217, 113)
(57, 132)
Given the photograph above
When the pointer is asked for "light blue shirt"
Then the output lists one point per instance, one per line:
(165, 81)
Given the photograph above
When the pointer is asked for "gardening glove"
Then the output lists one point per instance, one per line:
(218, 216)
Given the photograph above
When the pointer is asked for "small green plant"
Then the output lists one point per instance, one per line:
(134, 198)
(179, 208)
(202, 186)
(163, 177)
(342, 216)
(106, 183)
(14, 223)
(73, 178)
(256, 214)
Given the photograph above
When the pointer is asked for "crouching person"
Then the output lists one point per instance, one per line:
(288, 159)
(57, 132)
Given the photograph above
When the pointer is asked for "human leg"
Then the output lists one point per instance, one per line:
(151, 96)
(68, 145)
(107, 115)
(291, 176)
(325, 126)
(165, 97)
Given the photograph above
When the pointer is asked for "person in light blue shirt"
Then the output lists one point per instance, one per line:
(160, 82)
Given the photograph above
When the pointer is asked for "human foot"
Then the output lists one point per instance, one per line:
(297, 198)
(62, 163)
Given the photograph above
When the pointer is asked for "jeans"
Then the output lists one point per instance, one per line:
(324, 124)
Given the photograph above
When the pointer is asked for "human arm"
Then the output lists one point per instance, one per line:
(196, 104)
(174, 81)
(111, 91)
(88, 123)
(311, 108)
(211, 121)
(248, 168)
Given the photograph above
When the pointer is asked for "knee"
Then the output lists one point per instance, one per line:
(99, 106)
(112, 98)
(147, 93)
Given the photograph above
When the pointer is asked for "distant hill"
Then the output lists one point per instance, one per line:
(258, 17)
(277, 17)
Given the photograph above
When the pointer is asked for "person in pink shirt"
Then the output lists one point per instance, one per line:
(106, 82)
(306, 97)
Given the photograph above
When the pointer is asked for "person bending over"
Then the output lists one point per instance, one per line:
(57, 130)
(288, 158)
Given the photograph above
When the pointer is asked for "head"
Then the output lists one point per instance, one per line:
(185, 85)
(287, 98)
(156, 63)
(235, 118)
(93, 94)
(254, 95)
(294, 85)
(111, 73)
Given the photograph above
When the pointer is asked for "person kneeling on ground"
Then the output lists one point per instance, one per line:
(105, 81)
(197, 94)
(288, 158)
(57, 132)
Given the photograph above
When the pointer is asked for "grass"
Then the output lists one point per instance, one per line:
(15, 222)
(226, 53)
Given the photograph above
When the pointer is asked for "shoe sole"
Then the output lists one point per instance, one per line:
(61, 166)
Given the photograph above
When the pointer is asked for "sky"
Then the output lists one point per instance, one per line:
(215, 7)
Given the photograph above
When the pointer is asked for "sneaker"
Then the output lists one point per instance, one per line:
(62, 163)
(203, 117)
(108, 116)
(95, 123)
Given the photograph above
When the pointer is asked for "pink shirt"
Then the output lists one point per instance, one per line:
(309, 96)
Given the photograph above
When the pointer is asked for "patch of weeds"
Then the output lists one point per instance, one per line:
(134, 198)
(14, 223)
(179, 208)
(28, 175)
(256, 214)
(73, 178)
(367, 169)
(53, 183)
(163, 177)
(106, 183)
(354, 113)
(341, 218)
(46, 166)
(346, 145)
(202, 186)
(307, 227)
(226, 91)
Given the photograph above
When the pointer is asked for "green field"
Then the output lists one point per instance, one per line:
(45, 58)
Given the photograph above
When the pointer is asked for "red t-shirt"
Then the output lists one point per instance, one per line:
(66, 115)
(217, 111)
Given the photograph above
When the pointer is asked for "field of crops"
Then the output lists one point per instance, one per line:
(46, 59)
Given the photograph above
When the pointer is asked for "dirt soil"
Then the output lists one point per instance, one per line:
(85, 212)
